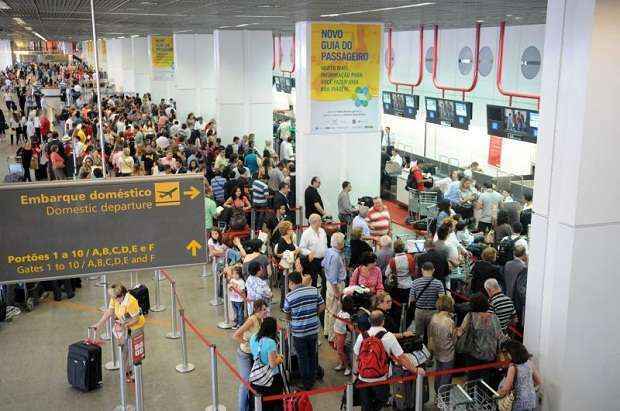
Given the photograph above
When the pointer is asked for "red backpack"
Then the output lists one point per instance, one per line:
(372, 359)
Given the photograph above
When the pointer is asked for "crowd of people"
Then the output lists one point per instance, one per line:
(354, 283)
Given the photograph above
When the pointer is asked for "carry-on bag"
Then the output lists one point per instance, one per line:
(84, 363)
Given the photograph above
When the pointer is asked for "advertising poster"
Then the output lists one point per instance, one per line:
(345, 77)
(495, 151)
(162, 58)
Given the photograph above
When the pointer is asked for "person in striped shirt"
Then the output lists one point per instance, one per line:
(379, 220)
(500, 304)
(302, 306)
(217, 185)
(424, 293)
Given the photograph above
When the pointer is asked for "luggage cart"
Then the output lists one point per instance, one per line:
(474, 395)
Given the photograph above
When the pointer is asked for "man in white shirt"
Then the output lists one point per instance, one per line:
(489, 202)
(360, 222)
(286, 150)
(375, 397)
(162, 142)
(313, 244)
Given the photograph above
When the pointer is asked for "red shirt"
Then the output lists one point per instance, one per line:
(44, 125)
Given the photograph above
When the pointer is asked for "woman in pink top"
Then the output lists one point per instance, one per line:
(368, 274)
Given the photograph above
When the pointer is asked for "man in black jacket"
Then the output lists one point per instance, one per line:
(439, 261)
(281, 198)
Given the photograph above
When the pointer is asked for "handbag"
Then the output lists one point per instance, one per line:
(261, 374)
(464, 341)
(506, 402)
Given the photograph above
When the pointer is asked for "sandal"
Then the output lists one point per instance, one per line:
(129, 378)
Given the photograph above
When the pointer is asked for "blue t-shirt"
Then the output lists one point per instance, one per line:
(266, 345)
(251, 162)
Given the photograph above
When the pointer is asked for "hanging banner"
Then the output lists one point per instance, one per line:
(103, 50)
(495, 151)
(345, 77)
(162, 52)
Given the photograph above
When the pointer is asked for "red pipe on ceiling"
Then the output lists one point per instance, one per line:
(500, 72)
(474, 80)
(273, 53)
(390, 64)
(292, 70)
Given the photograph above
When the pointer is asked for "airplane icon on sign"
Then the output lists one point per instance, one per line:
(164, 194)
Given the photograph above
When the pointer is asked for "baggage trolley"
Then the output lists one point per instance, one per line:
(474, 395)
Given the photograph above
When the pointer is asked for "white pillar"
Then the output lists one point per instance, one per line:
(340, 149)
(243, 79)
(114, 64)
(6, 56)
(571, 314)
(141, 65)
(194, 82)
(127, 66)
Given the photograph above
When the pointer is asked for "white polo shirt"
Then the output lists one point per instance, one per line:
(390, 344)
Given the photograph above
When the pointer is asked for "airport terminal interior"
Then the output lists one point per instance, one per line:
(293, 205)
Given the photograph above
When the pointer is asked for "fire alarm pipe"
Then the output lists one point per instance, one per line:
(390, 64)
(292, 70)
(500, 72)
(474, 80)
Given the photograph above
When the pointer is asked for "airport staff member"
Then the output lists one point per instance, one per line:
(128, 315)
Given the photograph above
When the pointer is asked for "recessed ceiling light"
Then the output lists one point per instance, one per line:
(479, 21)
(268, 6)
(518, 18)
(4, 6)
(28, 27)
(406, 6)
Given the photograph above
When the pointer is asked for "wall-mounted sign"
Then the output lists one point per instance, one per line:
(514, 123)
(452, 113)
(345, 72)
(400, 104)
(100, 226)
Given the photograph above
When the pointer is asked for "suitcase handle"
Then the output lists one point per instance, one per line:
(91, 337)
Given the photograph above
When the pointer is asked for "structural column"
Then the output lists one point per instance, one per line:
(140, 56)
(338, 110)
(194, 82)
(571, 316)
(127, 65)
(243, 72)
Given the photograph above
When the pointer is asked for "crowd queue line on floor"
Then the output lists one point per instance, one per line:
(350, 289)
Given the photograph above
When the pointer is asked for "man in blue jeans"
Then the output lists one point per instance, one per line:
(302, 306)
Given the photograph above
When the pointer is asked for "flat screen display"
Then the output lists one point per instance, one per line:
(400, 104)
(431, 104)
(461, 109)
(514, 123)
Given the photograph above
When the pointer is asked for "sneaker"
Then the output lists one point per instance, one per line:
(339, 367)
(347, 372)
(235, 327)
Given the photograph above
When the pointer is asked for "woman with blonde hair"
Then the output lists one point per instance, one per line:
(442, 338)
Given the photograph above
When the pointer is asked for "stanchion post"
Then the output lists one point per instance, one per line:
(121, 372)
(253, 223)
(137, 372)
(216, 406)
(216, 300)
(158, 307)
(403, 317)
(174, 333)
(258, 402)
(205, 271)
(281, 337)
(285, 284)
(106, 297)
(226, 323)
(419, 393)
(185, 366)
(349, 397)
(114, 364)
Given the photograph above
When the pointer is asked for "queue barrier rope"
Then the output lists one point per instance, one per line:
(172, 282)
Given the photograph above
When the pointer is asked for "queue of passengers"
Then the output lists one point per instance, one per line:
(351, 292)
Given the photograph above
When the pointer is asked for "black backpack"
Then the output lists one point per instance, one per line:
(506, 250)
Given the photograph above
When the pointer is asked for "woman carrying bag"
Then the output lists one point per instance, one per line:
(518, 388)
(265, 374)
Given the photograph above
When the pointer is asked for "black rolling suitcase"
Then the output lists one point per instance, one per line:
(141, 293)
(84, 364)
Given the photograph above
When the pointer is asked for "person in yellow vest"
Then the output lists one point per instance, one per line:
(128, 316)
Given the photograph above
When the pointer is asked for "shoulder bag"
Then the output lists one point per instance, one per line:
(261, 375)
(463, 344)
